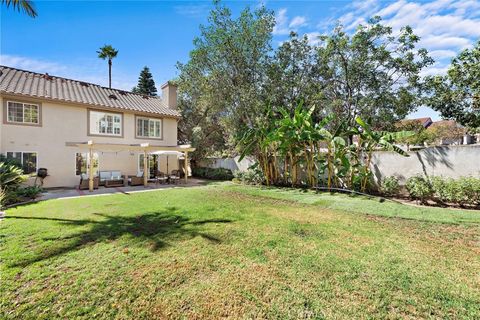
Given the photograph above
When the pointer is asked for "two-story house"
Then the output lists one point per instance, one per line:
(69, 126)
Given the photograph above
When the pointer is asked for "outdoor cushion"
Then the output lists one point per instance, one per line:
(116, 175)
(105, 175)
(139, 174)
(84, 176)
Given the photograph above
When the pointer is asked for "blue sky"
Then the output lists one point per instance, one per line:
(64, 38)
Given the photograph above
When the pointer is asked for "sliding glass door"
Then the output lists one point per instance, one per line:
(152, 164)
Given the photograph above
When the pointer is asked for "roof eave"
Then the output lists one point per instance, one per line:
(89, 105)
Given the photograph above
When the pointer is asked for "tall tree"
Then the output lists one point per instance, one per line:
(372, 73)
(292, 74)
(22, 5)
(108, 52)
(146, 84)
(457, 94)
(224, 76)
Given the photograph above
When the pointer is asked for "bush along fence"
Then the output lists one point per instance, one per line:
(212, 173)
(464, 191)
(286, 144)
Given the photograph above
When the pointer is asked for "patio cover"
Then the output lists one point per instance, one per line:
(146, 148)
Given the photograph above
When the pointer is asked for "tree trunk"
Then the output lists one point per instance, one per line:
(110, 73)
(367, 172)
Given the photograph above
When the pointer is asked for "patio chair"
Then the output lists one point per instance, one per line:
(136, 180)
(175, 176)
(161, 178)
(83, 185)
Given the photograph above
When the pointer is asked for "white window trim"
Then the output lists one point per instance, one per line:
(23, 106)
(75, 163)
(22, 152)
(90, 133)
(149, 119)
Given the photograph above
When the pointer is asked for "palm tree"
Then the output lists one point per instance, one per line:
(21, 5)
(108, 52)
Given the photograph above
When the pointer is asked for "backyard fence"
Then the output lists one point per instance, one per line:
(447, 161)
(452, 161)
(232, 164)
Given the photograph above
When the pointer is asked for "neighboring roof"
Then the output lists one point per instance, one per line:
(425, 122)
(39, 85)
(446, 123)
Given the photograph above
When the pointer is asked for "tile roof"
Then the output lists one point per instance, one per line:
(39, 85)
(425, 122)
(446, 123)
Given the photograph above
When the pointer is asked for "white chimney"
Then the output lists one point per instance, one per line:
(169, 94)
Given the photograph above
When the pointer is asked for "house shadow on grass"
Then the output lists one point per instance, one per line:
(154, 230)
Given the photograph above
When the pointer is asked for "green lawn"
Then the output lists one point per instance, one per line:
(239, 252)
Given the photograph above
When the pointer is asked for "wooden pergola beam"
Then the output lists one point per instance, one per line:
(145, 164)
(129, 147)
(186, 166)
(90, 166)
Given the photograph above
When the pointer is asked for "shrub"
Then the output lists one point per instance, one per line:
(11, 197)
(212, 173)
(30, 192)
(2, 198)
(465, 190)
(462, 191)
(439, 188)
(419, 188)
(11, 176)
(470, 187)
(252, 176)
(390, 186)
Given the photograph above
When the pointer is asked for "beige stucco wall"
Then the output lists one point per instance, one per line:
(62, 123)
(447, 161)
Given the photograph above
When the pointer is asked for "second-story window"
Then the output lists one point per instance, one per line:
(105, 123)
(149, 128)
(19, 112)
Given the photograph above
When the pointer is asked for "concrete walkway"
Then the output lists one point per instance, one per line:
(74, 193)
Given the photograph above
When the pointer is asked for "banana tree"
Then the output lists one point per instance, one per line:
(261, 141)
(297, 135)
(336, 162)
(370, 140)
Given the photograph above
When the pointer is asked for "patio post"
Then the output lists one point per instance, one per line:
(145, 163)
(186, 166)
(90, 167)
(145, 168)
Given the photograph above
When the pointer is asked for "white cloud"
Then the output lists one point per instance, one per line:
(283, 25)
(469, 8)
(394, 7)
(434, 70)
(92, 71)
(358, 12)
(281, 21)
(444, 26)
(449, 25)
(313, 38)
(432, 42)
(192, 11)
(298, 21)
(31, 64)
(442, 54)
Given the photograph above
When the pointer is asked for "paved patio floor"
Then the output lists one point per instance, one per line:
(69, 193)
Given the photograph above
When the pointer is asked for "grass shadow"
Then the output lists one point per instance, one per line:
(153, 229)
